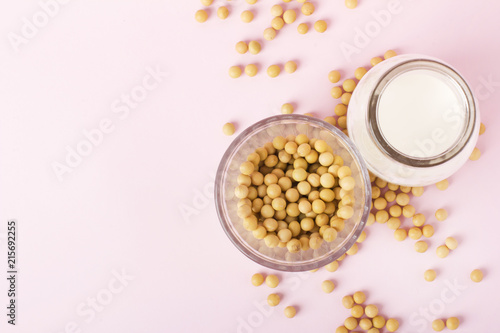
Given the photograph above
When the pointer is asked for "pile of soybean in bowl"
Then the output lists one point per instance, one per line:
(295, 192)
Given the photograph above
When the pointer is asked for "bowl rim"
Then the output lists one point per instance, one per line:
(220, 178)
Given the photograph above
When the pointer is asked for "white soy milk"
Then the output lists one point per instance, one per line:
(421, 113)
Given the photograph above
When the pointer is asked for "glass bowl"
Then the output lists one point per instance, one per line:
(226, 202)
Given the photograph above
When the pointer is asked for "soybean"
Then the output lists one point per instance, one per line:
(257, 279)
(351, 4)
(290, 67)
(290, 312)
(222, 12)
(246, 16)
(228, 129)
(327, 286)
(476, 275)
(302, 28)
(430, 275)
(201, 16)
(273, 299)
(320, 26)
(441, 214)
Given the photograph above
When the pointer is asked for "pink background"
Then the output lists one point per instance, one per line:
(120, 208)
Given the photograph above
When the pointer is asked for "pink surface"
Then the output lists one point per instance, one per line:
(119, 208)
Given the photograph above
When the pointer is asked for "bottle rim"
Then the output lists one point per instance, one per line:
(468, 102)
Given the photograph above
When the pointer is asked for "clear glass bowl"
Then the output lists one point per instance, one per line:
(226, 202)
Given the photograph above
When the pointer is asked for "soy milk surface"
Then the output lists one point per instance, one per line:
(421, 113)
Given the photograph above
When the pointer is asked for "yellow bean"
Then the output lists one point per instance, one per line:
(351, 4)
(273, 70)
(254, 47)
(290, 67)
(353, 250)
(320, 26)
(351, 323)
(271, 241)
(393, 223)
(290, 312)
(442, 251)
(359, 297)
(228, 129)
(277, 23)
(269, 33)
(334, 76)
(273, 299)
(293, 245)
(348, 302)
(241, 47)
(336, 93)
(418, 220)
(438, 325)
(375, 61)
(327, 286)
(430, 275)
(482, 129)
(365, 324)
(400, 234)
(417, 191)
(357, 311)
(349, 85)
(246, 16)
(276, 10)
(362, 237)
(302, 28)
(201, 16)
(360, 72)
(341, 329)
(251, 70)
(392, 325)
(441, 214)
(476, 275)
(415, 233)
(307, 8)
(345, 98)
(257, 279)
(330, 234)
(389, 54)
(272, 281)
(222, 12)
(235, 72)
(452, 323)
(378, 321)
(287, 108)
(442, 185)
(382, 216)
(451, 243)
(345, 212)
(380, 182)
(475, 155)
(333, 266)
(408, 211)
(380, 203)
(421, 246)
(371, 311)
(428, 230)
(402, 199)
(289, 16)
(395, 210)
